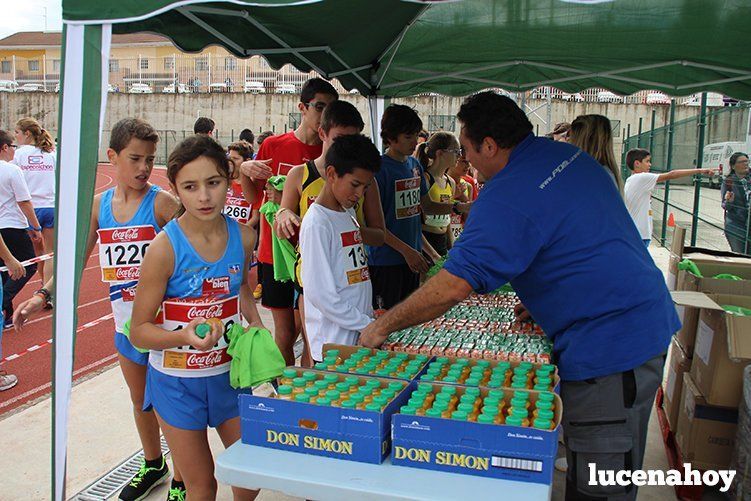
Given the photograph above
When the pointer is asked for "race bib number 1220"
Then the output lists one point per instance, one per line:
(121, 251)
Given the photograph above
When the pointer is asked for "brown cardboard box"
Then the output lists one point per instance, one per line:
(705, 434)
(721, 351)
(678, 364)
(687, 305)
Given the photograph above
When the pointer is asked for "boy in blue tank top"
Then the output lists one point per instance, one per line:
(124, 220)
(194, 273)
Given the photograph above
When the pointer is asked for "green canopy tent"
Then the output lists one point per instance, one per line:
(384, 48)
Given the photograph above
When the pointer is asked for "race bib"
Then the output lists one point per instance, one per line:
(237, 208)
(121, 251)
(177, 314)
(456, 227)
(407, 202)
(354, 258)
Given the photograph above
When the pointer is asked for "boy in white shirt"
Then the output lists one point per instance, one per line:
(638, 188)
(338, 292)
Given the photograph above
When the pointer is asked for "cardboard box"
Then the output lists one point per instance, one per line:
(354, 435)
(710, 262)
(688, 304)
(473, 362)
(486, 450)
(345, 351)
(705, 434)
(678, 364)
(722, 350)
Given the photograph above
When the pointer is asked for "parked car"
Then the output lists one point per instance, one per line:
(140, 88)
(181, 89)
(254, 87)
(218, 87)
(286, 88)
(657, 98)
(605, 96)
(31, 87)
(8, 86)
(576, 97)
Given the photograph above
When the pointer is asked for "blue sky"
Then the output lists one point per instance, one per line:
(28, 15)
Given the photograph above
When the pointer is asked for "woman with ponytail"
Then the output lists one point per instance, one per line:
(36, 157)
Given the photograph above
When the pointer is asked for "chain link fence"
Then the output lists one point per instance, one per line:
(694, 202)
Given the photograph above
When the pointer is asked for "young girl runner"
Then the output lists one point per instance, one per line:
(436, 155)
(35, 155)
(194, 273)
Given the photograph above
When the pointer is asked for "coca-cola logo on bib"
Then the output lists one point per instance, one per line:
(124, 274)
(211, 311)
(125, 235)
(205, 360)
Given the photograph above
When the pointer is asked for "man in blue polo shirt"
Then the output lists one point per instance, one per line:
(550, 221)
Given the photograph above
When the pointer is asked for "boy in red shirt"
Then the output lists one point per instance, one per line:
(277, 155)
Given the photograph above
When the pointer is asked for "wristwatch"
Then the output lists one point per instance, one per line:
(44, 294)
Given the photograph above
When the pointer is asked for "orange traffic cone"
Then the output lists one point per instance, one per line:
(671, 220)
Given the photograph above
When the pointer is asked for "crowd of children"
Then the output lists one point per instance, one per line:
(358, 228)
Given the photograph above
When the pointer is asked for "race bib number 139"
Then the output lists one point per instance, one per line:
(121, 251)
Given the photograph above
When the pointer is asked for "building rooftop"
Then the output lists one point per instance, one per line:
(39, 39)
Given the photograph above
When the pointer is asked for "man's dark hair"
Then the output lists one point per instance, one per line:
(243, 148)
(5, 138)
(247, 135)
(263, 136)
(636, 155)
(735, 156)
(129, 128)
(492, 115)
(316, 86)
(424, 134)
(204, 125)
(353, 152)
(341, 114)
(399, 119)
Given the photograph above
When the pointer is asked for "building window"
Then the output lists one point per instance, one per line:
(230, 63)
(114, 65)
(144, 63)
(6, 66)
(169, 63)
(202, 63)
(34, 65)
(56, 66)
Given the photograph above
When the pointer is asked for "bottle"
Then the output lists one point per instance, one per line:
(323, 401)
(334, 397)
(287, 376)
(497, 394)
(520, 403)
(309, 376)
(342, 387)
(322, 387)
(381, 400)
(298, 385)
(332, 379)
(302, 397)
(433, 412)
(545, 414)
(543, 424)
(486, 419)
(542, 405)
(311, 391)
(473, 381)
(284, 392)
(349, 404)
(321, 366)
(475, 392)
(521, 414)
(459, 415)
(358, 399)
(406, 409)
(373, 407)
(514, 421)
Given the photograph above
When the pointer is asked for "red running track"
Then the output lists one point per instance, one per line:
(28, 353)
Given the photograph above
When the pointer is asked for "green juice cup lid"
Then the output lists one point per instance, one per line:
(342, 368)
(284, 389)
(202, 330)
(372, 383)
(519, 412)
(320, 384)
(427, 377)
(350, 380)
(514, 421)
(358, 398)
(381, 400)
(451, 390)
(309, 376)
(541, 387)
(467, 399)
(486, 419)
(323, 401)
(400, 355)
(433, 412)
(396, 385)
(349, 404)
(497, 394)
(518, 384)
(321, 366)
(440, 405)
(546, 396)
(424, 387)
(330, 378)
(520, 371)
(422, 358)
(289, 373)
(311, 391)
(451, 379)
(482, 363)
(383, 372)
(302, 397)
(473, 381)
(331, 360)
(388, 393)
(333, 395)
(545, 414)
(442, 360)
(459, 415)
(543, 405)
(491, 410)
(364, 351)
(373, 407)
(462, 361)
(543, 424)
(493, 401)
(409, 410)
(527, 365)
(496, 383)
(475, 392)
(342, 387)
(299, 382)
(468, 408)
(332, 352)
(521, 394)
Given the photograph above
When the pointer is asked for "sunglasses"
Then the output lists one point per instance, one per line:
(455, 151)
(319, 106)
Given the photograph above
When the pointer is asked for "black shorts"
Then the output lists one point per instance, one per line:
(439, 242)
(275, 294)
(392, 284)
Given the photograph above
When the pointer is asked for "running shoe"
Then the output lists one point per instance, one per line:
(176, 493)
(258, 292)
(7, 381)
(144, 481)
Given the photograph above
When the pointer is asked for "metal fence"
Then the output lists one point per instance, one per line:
(693, 202)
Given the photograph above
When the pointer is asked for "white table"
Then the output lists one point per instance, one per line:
(320, 478)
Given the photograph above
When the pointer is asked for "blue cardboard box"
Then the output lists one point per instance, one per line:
(345, 351)
(335, 432)
(487, 450)
(473, 362)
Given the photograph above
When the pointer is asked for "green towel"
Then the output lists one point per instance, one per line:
(283, 251)
(126, 333)
(690, 267)
(255, 357)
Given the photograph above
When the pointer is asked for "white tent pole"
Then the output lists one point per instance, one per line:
(376, 106)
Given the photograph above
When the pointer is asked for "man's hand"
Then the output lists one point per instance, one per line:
(36, 236)
(416, 261)
(707, 172)
(26, 309)
(370, 337)
(15, 268)
(257, 170)
(521, 313)
(286, 224)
